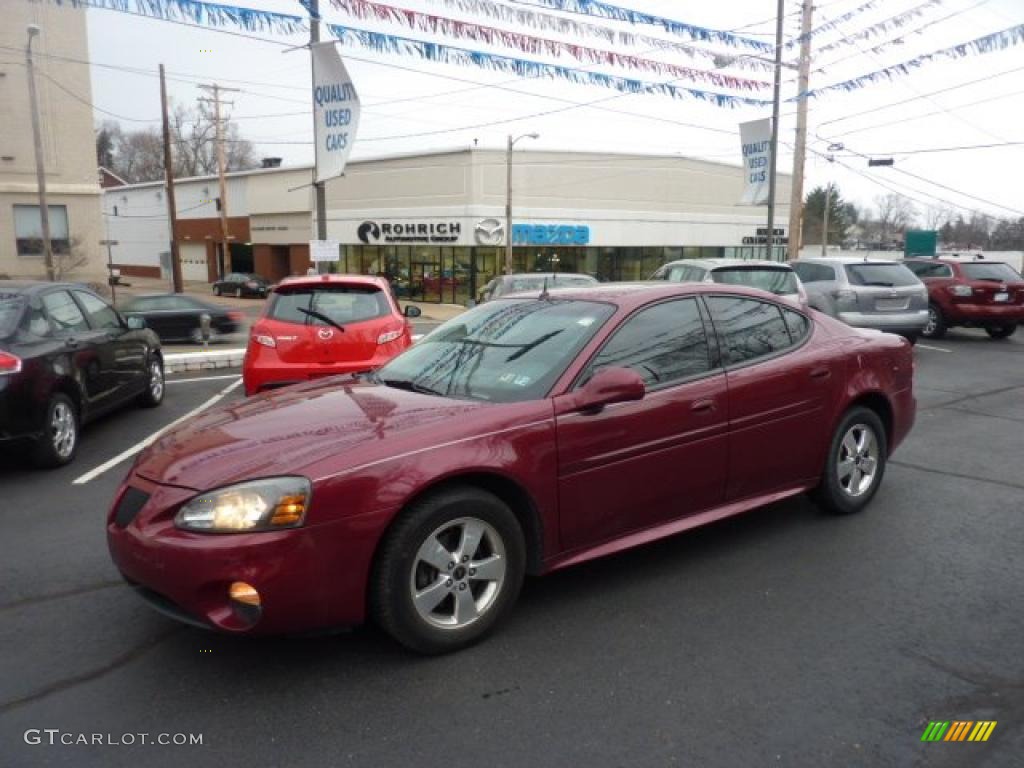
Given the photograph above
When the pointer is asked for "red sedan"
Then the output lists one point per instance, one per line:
(324, 325)
(521, 437)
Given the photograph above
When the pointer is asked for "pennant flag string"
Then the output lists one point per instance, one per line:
(452, 28)
(679, 28)
(881, 27)
(526, 17)
(384, 43)
(996, 41)
(203, 13)
(828, 26)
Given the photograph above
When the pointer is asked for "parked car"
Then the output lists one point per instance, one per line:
(241, 284)
(772, 276)
(324, 325)
(176, 317)
(530, 282)
(67, 357)
(523, 436)
(866, 293)
(985, 294)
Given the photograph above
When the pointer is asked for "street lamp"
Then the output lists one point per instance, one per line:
(508, 197)
(44, 211)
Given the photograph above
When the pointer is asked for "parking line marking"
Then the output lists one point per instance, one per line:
(937, 349)
(92, 474)
(200, 378)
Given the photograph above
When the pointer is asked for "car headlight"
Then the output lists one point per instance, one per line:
(256, 505)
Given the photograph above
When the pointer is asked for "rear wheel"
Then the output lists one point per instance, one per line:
(448, 571)
(59, 441)
(936, 326)
(856, 463)
(1001, 331)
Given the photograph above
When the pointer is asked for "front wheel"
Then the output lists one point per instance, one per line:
(936, 326)
(59, 441)
(1001, 331)
(155, 384)
(448, 571)
(856, 463)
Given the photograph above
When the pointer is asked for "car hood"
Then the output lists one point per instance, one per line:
(289, 431)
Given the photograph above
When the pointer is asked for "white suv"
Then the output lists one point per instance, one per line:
(772, 276)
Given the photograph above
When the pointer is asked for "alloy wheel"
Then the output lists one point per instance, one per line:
(63, 430)
(858, 460)
(933, 321)
(156, 380)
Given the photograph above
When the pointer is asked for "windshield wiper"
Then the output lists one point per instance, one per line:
(409, 386)
(320, 316)
(535, 343)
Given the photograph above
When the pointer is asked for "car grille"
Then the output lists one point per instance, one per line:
(128, 507)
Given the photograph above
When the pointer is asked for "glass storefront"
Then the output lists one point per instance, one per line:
(455, 274)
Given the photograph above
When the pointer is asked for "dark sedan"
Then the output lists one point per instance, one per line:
(175, 317)
(524, 436)
(241, 284)
(66, 357)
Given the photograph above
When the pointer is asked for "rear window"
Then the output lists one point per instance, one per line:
(680, 273)
(777, 281)
(341, 303)
(999, 272)
(10, 311)
(882, 275)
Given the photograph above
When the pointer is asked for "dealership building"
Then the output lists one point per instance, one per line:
(434, 223)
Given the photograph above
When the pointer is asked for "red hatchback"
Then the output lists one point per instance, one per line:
(324, 325)
(521, 437)
(985, 294)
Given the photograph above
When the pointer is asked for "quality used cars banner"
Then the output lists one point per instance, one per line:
(335, 111)
(756, 139)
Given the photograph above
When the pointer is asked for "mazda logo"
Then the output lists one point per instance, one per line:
(368, 231)
(489, 232)
(325, 333)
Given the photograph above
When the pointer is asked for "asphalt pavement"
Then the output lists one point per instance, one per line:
(782, 637)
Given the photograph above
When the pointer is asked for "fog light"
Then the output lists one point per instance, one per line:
(243, 593)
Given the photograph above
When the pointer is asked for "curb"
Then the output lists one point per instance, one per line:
(202, 361)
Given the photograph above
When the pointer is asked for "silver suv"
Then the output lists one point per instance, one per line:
(866, 293)
(772, 276)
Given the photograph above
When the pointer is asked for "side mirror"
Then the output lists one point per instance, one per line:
(610, 385)
(411, 311)
(135, 323)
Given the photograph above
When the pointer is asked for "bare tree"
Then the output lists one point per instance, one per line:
(895, 214)
(937, 216)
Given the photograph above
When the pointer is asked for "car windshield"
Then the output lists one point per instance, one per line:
(778, 281)
(10, 311)
(503, 351)
(537, 282)
(881, 275)
(997, 271)
(340, 303)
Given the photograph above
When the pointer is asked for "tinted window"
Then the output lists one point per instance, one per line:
(927, 269)
(63, 311)
(748, 328)
(341, 303)
(883, 275)
(503, 351)
(797, 324)
(1000, 272)
(10, 311)
(101, 315)
(814, 273)
(663, 343)
(777, 281)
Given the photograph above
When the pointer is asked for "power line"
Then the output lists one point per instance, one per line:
(944, 149)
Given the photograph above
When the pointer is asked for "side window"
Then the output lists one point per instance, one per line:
(35, 322)
(63, 311)
(749, 328)
(798, 325)
(663, 343)
(101, 315)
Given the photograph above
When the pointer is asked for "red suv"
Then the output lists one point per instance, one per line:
(975, 294)
(324, 325)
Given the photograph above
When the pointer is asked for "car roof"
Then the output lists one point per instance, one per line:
(332, 279)
(845, 260)
(634, 294)
(553, 275)
(949, 260)
(723, 262)
(35, 286)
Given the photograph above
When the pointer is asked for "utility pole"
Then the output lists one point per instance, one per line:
(44, 210)
(172, 209)
(219, 125)
(824, 220)
(508, 196)
(775, 126)
(796, 198)
(319, 187)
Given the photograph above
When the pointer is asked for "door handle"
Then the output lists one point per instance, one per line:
(820, 373)
(702, 406)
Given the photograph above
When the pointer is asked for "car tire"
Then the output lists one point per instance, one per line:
(856, 463)
(936, 327)
(426, 590)
(238, 292)
(1001, 331)
(59, 442)
(155, 384)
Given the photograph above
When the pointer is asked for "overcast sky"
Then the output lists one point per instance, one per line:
(404, 95)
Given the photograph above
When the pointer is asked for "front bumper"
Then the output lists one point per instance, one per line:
(893, 322)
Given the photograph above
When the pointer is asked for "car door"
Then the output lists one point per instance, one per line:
(780, 393)
(122, 352)
(92, 363)
(637, 464)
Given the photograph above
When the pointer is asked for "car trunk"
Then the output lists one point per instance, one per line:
(993, 283)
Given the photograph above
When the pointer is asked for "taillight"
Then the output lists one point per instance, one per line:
(960, 290)
(9, 363)
(265, 340)
(390, 336)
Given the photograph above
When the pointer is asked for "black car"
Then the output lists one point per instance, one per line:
(242, 284)
(66, 357)
(174, 317)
